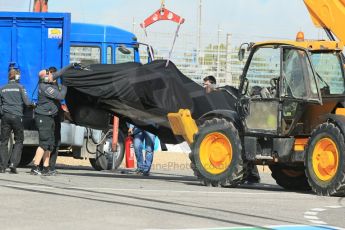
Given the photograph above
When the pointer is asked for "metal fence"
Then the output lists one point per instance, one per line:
(216, 55)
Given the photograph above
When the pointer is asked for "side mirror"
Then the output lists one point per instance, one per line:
(241, 53)
(124, 50)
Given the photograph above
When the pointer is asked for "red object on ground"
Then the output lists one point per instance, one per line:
(115, 133)
(129, 151)
(41, 6)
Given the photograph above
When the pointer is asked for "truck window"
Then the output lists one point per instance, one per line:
(144, 54)
(122, 57)
(86, 55)
(329, 67)
(264, 66)
(299, 81)
(109, 55)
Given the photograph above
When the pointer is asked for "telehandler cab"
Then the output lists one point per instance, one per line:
(289, 114)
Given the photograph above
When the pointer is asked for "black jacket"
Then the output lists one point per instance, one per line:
(13, 98)
(49, 97)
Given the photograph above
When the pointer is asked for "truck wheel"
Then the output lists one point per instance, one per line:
(290, 178)
(216, 154)
(104, 155)
(325, 161)
(28, 155)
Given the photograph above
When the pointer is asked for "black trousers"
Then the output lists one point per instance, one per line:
(251, 171)
(46, 126)
(11, 122)
(57, 136)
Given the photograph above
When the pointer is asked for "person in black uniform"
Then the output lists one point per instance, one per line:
(57, 134)
(12, 98)
(49, 96)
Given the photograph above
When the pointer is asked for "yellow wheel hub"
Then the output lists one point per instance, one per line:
(325, 159)
(215, 153)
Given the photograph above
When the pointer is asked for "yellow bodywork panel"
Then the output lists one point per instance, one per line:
(340, 111)
(183, 124)
(300, 144)
(311, 45)
(328, 14)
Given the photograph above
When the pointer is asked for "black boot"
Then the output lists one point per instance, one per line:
(35, 170)
(251, 175)
(13, 169)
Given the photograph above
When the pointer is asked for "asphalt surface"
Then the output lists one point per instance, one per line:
(80, 198)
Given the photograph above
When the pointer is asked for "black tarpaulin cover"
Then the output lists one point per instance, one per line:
(141, 94)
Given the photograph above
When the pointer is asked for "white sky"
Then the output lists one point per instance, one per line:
(249, 19)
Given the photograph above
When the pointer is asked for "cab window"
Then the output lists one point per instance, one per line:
(85, 54)
(328, 68)
(109, 55)
(124, 54)
(263, 72)
(298, 76)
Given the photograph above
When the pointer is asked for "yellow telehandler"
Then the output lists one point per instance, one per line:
(290, 113)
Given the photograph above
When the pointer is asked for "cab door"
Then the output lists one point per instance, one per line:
(279, 81)
(299, 88)
(261, 94)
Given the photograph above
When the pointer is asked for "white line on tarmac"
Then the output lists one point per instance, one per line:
(334, 206)
(311, 217)
(318, 209)
(310, 213)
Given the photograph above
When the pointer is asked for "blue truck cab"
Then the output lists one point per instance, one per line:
(95, 44)
(30, 42)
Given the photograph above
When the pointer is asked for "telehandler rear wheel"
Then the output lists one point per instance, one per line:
(216, 154)
(325, 161)
(290, 178)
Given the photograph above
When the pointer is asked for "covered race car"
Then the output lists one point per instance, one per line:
(139, 94)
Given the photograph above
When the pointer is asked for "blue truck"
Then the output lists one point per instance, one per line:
(34, 41)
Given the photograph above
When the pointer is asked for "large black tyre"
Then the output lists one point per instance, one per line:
(217, 139)
(104, 156)
(325, 161)
(290, 178)
(28, 155)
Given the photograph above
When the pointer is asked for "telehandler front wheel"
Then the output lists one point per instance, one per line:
(325, 161)
(216, 154)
